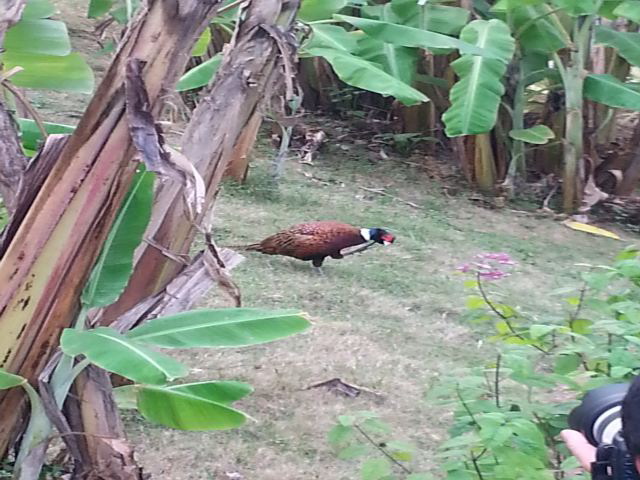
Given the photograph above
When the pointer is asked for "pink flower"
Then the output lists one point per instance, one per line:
(464, 268)
(489, 266)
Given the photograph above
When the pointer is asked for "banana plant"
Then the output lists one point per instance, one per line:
(515, 45)
(364, 51)
(37, 52)
(562, 32)
(379, 50)
(157, 392)
(518, 43)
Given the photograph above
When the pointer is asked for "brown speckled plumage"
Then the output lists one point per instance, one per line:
(313, 241)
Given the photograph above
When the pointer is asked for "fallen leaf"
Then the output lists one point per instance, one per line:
(338, 387)
(233, 475)
(584, 227)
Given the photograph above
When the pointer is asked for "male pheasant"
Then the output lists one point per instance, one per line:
(317, 240)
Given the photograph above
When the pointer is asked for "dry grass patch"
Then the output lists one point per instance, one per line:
(386, 320)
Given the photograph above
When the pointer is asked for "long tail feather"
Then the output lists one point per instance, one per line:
(251, 247)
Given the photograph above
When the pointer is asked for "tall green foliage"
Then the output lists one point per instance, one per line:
(157, 392)
(515, 49)
(543, 41)
(508, 412)
(41, 48)
(475, 98)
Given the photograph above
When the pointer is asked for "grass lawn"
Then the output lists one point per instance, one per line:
(387, 319)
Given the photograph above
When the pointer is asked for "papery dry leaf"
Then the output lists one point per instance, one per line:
(219, 271)
(195, 191)
(145, 133)
(184, 290)
(313, 141)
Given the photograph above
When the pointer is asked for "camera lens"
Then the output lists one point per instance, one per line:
(598, 416)
(607, 425)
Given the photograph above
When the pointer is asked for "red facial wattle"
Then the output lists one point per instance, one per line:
(388, 239)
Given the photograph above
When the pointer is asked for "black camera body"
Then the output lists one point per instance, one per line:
(613, 461)
(598, 418)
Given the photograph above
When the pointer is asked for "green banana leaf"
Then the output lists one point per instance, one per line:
(577, 8)
(39, 36)
(610, 91)
(360, 73)
(397, 61)
(113, 268)
(116, 353)
(538, 29)
(413, 37)
(626, 43)
(538, 135)
(475, 98)
(35, 9)
(432, 17)
(314, 10)
(190, 407)
(628, 9)
(201, 75)
(63, 73)
(325, 35)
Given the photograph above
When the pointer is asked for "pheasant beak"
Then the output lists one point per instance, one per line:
(388, 239)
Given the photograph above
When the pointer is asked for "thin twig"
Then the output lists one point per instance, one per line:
(182, 259)
(475, 466)
(466, 407)
(583, 291)
(609, 345)
(573, 317)
(27, 105)
(496, 383)
(488, 302)
(479, 456)
(291, 100)
(10, 73)
(550, 440)
(502, 315)
(545, 203)
(382, 192)
(382, 449)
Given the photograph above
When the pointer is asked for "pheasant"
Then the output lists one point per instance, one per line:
(317, 240)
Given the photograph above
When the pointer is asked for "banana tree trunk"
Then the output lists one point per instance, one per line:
(573, 147)
(548, 159)
(518, 166)
(223, 124)
(253, 62)
(239, 162)
(485, 163)
(425, 118)
(12, 160)
(631, 175)
(48, 259)
(573, 75)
